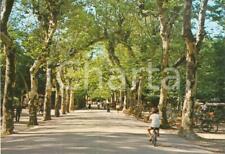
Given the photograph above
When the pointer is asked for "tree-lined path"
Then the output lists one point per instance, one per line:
(95, 132)
(61, 56)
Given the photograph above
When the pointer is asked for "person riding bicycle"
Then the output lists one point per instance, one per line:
(155, 120)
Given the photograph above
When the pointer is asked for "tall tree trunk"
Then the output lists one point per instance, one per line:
(166, 23)
(128, 98)
(193, 47)
(8, 111)
(9, 85)
(33, 94)
(125, 102)
(67, 99)
(188, 107)
(72, 106)
(139, 90)
(121, 98)
(33, 100)
(133, 101)
(48, 94)
(63, 100)
(114, 97)
(57, 100)
(62, 89)
(163, 90)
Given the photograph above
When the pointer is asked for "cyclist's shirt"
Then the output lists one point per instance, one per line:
(155, 118)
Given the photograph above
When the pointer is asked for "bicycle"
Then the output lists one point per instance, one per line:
(211, 123)
(153, 137)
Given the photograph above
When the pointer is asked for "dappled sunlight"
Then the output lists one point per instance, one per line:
(117, 134)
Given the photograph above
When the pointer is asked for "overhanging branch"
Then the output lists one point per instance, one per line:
(201, 32)
(180, 61)
(74, 50)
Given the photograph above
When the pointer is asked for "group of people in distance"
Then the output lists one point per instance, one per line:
(104, 105)
(154, 114)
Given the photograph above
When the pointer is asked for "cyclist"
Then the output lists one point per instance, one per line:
(155, 121)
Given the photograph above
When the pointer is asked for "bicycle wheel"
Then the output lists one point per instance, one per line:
(206, 125)
(154, 138)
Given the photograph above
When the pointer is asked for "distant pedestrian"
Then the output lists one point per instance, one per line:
(18, 105)
(108, 106)
(89, 104)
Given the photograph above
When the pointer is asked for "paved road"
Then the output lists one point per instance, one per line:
(94, 132)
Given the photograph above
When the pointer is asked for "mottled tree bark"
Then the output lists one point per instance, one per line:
(9, 85)
(57, 100)
(193, 48)
(121, 97)
(166, 23)
(125, 103)
(139, 91)
(67, 99)
(133, 94)
(63, 100)
(33, 94)
(163, 90)
(8, 111)
(72, 106)
(62, 89)
(48, 94)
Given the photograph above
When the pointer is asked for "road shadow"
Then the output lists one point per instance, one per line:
(93, 142)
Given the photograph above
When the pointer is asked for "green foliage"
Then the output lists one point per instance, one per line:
(211, 71)
(80, 99)
(82, 36)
